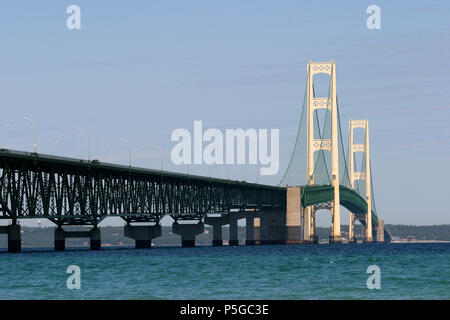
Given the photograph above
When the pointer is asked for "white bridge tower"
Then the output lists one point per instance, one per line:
(314, 145)
(352, 149)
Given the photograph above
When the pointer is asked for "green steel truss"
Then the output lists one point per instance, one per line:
(350, 199)
(72, 191)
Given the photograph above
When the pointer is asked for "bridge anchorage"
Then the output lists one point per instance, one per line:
(74, 192)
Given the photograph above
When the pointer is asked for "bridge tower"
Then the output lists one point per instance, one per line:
(314, 145)
(354, 175)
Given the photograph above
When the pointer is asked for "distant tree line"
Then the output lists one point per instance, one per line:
(436, 232)
(43, 237)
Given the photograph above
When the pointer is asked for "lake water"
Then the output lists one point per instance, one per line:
(407, 271)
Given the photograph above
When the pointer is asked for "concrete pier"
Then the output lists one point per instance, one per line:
(366, 239)
(95, 238)
(380, 231)
(60, 239)
(61, 235)
(188, 232)
(217, 235)
(293, 216)
(217, 221)
(364, 235)
(306, 225)
(257, 230)
(14, 237)
(233, 240)
(232, 220)
(273, 227)
(142, 234)
(250, 230)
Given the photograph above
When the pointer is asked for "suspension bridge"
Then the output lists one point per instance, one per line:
(328, 176)
(320, 175)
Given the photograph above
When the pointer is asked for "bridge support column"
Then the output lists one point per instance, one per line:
(188, 232)
(233, 240)
(368, 231)
(142, 235)
(14, 236)
(273, 227)
(60, 239)
(293, 216)
(335, 207)
(309, 226)
(335, 236)
(217, 222)
(95, 237)
(314, 238)
(257, 230)
(380, 231)
(217, 235)
(250, 230)
(306, 225)
(61, 235)
(351, 228)
(264, 228)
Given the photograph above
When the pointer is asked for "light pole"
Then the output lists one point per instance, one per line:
(129, 150)
(54, 142)
(162, 156)
(89, 142)
(34, 131)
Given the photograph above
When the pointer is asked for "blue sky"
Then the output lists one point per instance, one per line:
(140, 69)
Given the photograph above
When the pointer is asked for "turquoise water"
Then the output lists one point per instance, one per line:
(408, 271)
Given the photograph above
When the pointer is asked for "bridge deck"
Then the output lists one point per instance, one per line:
(74, 190)
(80, 191)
